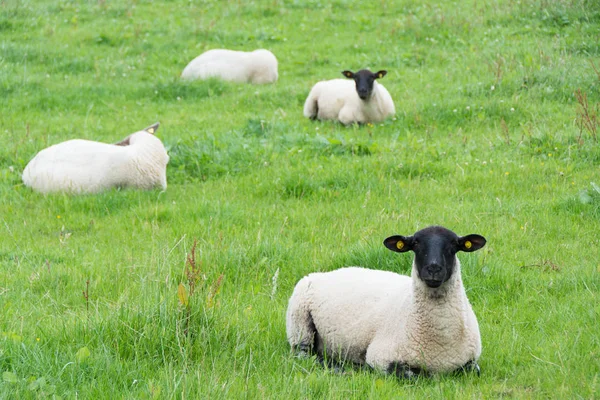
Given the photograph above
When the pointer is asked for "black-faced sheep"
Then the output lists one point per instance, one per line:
(84, 166)
(362, 100)
(421, 324)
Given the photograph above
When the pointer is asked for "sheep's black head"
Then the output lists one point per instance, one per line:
(435, 249)
(364, 80)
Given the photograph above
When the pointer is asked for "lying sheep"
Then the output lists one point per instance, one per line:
(258, 66)
(361, 101)
(414, 325)
(83, 166)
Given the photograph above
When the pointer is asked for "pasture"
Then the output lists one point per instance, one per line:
(495, 133)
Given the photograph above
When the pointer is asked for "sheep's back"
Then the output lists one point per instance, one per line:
(350, 305)
(259, 66)
(73, 166)
(332, 95)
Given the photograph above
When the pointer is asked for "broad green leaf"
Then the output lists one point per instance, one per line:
(9, 377)
(182, 295)
(82, 354)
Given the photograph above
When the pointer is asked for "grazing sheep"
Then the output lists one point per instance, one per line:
(83, 166)
(258, 66)
(414, 325)
(361, 101)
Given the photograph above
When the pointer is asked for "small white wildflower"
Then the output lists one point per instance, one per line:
(468, 107)
(512, 109)
(455, 110)
(493, 87)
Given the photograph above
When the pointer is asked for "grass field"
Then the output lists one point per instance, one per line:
(492, 135)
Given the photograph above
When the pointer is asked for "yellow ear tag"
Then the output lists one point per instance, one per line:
(151, 130)
(380, 75)
(399, 245)
(468, 244)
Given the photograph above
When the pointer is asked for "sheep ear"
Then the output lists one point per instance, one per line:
(471, 243)
(348, 74)
(152, 128)
(399, 243)
(380, 74)
(124, 142)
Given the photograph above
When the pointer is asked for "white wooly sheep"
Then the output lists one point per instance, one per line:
(84, 166)
(361, 101)
(409, 326)
(258, 66)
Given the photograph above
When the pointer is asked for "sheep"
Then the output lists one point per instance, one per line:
(409, 326)
(361, 101)
(258, 66)
(84, 166)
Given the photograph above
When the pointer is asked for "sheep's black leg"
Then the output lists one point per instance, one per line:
(404, 371)
(471, 366)
(303, 349)
(329, 363)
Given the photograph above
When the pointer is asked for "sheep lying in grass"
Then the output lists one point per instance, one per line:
(361, 101)
(258, 66)
(83, 166)
(414, 325)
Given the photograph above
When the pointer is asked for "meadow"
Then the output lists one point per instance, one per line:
(182, 293)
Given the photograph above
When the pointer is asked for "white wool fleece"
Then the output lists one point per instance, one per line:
(337, 99)
(379, 317)
(259, 66)
(84, 166)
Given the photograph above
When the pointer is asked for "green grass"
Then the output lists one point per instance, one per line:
(485, 140)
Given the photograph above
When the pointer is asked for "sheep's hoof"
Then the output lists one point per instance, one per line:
(404, 371)
(471, 366)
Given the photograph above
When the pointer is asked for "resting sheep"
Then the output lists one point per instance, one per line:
(84, 166)
(361, 101)
(409, 326)
(258, 66)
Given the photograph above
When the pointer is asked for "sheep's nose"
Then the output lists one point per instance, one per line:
(434, 268)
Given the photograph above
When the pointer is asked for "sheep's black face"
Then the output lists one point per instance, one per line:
(364, 80)
(435, 249)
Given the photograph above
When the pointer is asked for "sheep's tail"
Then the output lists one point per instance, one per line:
(300, 327)
(311, 106)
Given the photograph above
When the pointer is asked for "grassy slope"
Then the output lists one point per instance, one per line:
(485, 141)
